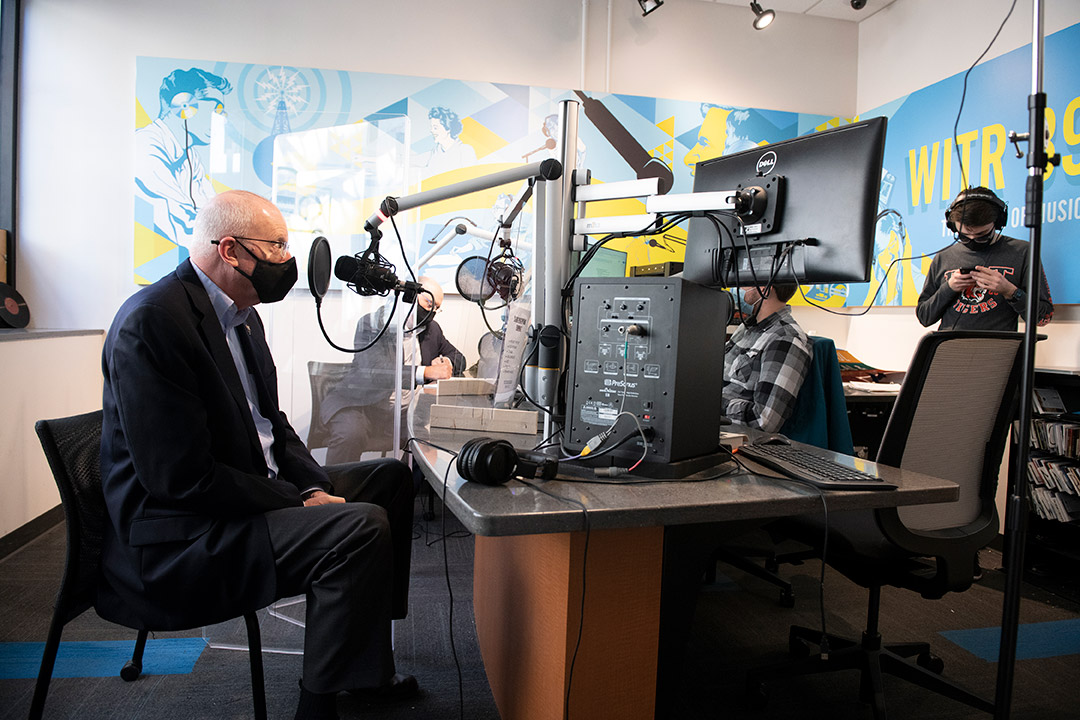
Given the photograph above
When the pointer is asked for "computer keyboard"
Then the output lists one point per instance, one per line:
(802, 465)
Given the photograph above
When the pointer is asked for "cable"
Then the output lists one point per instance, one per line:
(584, 577)
(401, 245)
(446, 571)
(963, 95)
(824, 644)
(870, 304)
(521, 373)
(318, 313)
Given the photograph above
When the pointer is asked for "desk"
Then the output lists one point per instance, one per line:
(528, 579)
(868, 414)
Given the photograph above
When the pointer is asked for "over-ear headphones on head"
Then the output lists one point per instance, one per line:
(1001, 218)
(494, 462)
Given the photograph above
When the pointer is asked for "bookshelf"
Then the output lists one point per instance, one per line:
(1053, 547)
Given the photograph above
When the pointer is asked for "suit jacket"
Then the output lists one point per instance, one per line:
(433, 343)
(183, 473)
(374, 373)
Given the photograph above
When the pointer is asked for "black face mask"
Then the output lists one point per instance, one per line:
(272, 281)
(424, 316)
(980, 242)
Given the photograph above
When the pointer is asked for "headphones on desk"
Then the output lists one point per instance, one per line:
(494, 462)
(1001, 218)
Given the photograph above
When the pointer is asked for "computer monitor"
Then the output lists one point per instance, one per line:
(607, 262)
(816, 224)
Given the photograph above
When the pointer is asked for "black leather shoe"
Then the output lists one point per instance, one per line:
(400, 687)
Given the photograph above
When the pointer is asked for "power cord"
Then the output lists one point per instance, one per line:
(824, 644)
(584, 577)
(446, 572)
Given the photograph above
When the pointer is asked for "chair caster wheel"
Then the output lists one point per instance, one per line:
(787, 599)
(756, 696)
(930, 661)
(130, 671)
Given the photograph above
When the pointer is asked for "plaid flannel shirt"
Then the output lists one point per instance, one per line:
(764, 368)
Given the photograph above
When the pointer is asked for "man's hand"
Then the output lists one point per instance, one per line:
(322, 498)
(440, 369)
(993, 281)
(960, 282)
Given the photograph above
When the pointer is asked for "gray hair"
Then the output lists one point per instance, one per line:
(230, 213)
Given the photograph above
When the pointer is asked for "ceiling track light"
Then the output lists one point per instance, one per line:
(647, 6)
(762, 18)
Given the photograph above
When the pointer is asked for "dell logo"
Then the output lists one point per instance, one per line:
(766, 163)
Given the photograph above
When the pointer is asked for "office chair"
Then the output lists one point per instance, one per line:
(950, 420)
(819, 418)
(72, 446)
(323, 376)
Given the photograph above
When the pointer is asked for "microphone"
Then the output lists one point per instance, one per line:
(368, 277)
(504, 273)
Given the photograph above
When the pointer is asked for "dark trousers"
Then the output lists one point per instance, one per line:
(352, 563)
(355, 430)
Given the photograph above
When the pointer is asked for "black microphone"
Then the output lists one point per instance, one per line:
(366, 276)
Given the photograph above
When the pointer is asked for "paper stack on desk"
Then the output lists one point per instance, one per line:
(873, 387)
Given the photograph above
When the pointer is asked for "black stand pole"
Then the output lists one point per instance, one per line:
(1017, 506)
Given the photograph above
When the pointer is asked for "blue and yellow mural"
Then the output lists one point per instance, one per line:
(328, 145)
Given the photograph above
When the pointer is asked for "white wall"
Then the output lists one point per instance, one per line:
(46, 375)
(76, 121)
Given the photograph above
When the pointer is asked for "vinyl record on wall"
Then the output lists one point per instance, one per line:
(13, 310)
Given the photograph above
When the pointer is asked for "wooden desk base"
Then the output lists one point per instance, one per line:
(527, 593)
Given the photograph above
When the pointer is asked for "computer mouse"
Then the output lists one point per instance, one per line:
(775, 439)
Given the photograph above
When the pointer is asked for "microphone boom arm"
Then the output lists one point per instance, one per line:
(544, 170)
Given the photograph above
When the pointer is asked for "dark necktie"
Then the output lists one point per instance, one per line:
(266, 404)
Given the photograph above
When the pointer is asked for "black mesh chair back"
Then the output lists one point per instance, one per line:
(72, 447)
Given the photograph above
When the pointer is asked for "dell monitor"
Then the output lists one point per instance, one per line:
(813, 215)
(606, 262)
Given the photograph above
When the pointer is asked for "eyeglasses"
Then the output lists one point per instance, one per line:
(980, 238)
(281, 247)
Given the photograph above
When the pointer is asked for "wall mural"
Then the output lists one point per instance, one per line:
(328, 145)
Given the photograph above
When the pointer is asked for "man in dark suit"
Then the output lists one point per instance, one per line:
(215, 505)
(359, 411)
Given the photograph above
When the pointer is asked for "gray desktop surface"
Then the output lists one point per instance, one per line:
(517, 509)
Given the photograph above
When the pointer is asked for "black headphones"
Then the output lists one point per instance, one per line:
(494, 462)
(1000, 220)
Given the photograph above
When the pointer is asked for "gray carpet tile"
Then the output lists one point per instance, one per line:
(739, 624)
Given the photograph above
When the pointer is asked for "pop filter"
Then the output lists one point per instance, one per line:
(472, 279)
(318, 267)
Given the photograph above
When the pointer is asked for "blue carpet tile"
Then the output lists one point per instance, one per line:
(1034, 640)
(165, 656)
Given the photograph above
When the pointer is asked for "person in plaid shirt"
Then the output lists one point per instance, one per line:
(765, 361)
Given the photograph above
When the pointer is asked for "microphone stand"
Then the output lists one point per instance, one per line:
(1017, 504)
